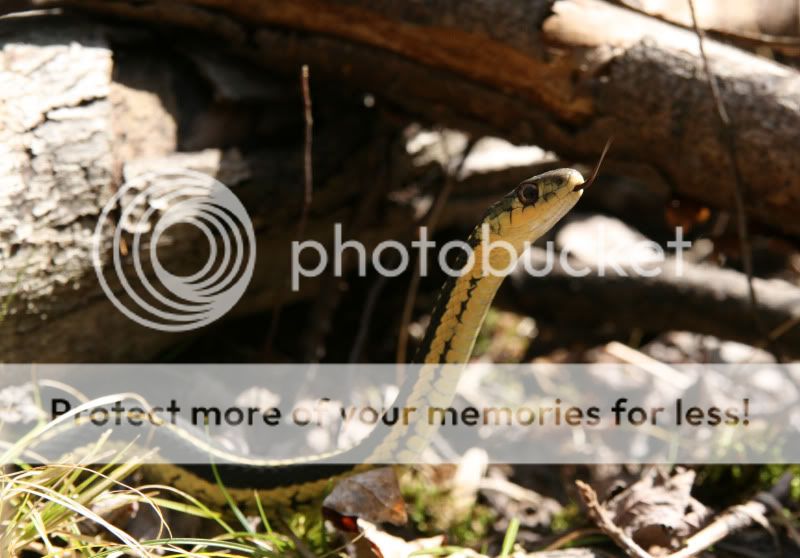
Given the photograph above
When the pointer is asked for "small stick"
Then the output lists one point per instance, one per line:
(330, 291)
(731, 520)
(571, 537)
(308, 191)
(654, 367)
(728, 136)
(603, 520)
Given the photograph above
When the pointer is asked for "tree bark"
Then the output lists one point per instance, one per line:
(82, 117)
(88, 107)
(565, 75)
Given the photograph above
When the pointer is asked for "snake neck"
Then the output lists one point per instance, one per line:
(461, 307)
(456, 320)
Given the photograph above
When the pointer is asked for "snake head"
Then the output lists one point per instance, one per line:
(552, 184)
(529, 191)
(536, 204)
(531, 208)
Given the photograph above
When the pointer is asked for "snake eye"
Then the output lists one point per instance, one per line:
(528, 193)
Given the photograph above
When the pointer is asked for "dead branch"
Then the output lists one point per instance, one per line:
(699, 298)
(565, 75)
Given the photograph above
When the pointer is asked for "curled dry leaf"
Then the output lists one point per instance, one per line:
(658, 510)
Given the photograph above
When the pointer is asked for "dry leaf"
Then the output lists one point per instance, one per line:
(658, 510)
(373, 496)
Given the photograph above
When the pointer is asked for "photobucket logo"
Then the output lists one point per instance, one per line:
(498, 258)
(150, 204)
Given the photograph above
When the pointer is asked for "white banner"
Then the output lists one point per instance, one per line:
(543, 413)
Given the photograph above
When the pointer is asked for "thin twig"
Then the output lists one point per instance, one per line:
(784, 328)
(571, 537)
(655, 368)
(737, 518)
(308, 175)
(408, 310)
(308, 192)
(731, 520)
(603, 520)
(431, 222)
(729, 137)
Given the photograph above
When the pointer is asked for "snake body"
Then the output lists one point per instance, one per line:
(519, 218)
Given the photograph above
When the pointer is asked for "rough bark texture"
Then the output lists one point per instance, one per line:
(83, 114)
(56, 171)
(565, 74)
(75, 126)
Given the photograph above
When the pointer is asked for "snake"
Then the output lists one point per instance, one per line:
(519, 218)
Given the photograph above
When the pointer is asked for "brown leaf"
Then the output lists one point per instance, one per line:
(373, 496)
(658, 510)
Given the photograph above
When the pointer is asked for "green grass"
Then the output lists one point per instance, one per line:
(46, 510)
(64, 509)
(67, 510)
(567, 519)
(510, 538)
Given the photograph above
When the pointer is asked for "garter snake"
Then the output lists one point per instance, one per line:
(518, 219)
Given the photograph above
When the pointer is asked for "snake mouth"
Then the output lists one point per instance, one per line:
(586, 184)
